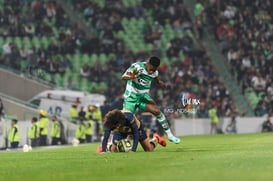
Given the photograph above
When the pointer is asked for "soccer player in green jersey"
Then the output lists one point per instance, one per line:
(139, 77)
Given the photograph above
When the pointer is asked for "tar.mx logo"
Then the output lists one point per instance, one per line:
(189, 101)
(189, 106)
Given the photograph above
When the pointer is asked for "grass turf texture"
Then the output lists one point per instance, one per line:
(244, 157)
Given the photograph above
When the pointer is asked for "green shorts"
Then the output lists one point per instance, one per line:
(136, 101)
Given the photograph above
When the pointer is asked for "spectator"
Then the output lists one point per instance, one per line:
(231, 127)
(81, 113)
(213, 119)
(262, 109)
(23, 53)
(60, 67)
(1, 108)
(66, 63)
(259, 84)
(267, 125)
(202, 111)
(70, 84)
(7, 48)
(43, 125)
(85, 71)
(63, 137)
(73, 112)
(55, 131)
(29, 30)
(51, 66)
(2, 131)
(89, 129)
(80, 131)
(14, 134)
(95, 112)
(33, 133)
(156, 33)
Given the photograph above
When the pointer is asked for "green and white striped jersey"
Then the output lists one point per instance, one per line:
(142, 83)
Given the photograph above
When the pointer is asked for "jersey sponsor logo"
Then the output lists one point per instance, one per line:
(142, 82)
(140, 70)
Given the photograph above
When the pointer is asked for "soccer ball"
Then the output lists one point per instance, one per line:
(75, 142)
(26, 148)
(124, 145)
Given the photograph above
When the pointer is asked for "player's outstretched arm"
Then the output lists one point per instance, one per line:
(105, 139)
(128, 75)
(135, 136)
(160, 82)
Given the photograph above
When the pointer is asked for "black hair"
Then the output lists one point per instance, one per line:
(34, 119)
(14, 120)
(113, 119)
(154, 61)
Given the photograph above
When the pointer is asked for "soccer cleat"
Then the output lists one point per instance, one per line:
(161, 141)
(99, 150)
(174, 139)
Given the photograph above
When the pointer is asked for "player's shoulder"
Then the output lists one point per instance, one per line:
(139, 63)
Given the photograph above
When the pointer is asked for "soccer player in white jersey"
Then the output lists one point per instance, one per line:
(139, 77)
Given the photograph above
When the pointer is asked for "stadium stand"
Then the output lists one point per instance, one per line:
(243, 32)
(135, 30)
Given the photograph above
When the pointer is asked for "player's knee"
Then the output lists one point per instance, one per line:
(152, 108)
(156, 111)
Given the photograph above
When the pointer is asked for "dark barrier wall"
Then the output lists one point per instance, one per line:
(18, 110)
(18, 86)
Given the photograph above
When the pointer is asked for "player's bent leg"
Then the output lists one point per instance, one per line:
(150, 145)
(152, 107)
(163, 122)
(147, 146)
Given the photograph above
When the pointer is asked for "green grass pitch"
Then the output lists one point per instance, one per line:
(246, 157)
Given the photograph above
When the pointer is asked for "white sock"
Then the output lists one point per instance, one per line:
(163, 122)
(169, 133)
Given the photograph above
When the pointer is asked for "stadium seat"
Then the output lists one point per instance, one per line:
(24, 65)
(27, 43)
(47, 77)
(36, 41)
(103, 58)
(60, 82)
(18, 42)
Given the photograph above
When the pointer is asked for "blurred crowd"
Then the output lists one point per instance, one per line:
(190, 77)
(244, 33)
